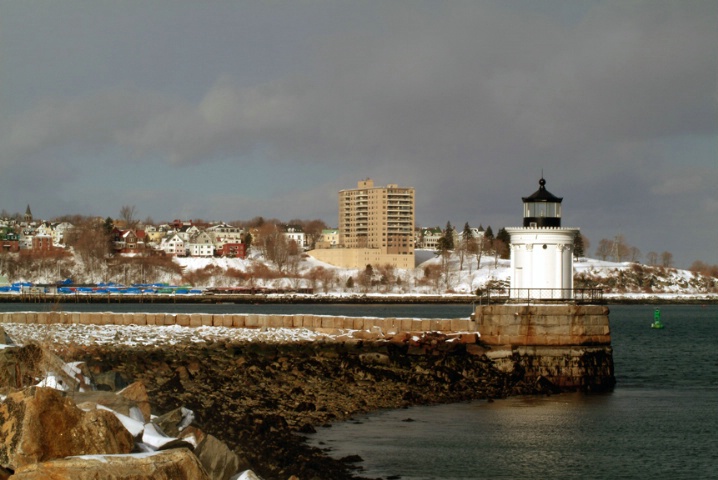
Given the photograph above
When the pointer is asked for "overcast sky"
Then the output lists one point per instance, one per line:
(230, 110)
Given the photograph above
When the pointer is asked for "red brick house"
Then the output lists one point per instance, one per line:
(42, 243)
(232, 250)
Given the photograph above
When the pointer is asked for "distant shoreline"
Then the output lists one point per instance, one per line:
(364, 299)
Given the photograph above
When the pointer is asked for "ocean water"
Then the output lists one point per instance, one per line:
(661, 421)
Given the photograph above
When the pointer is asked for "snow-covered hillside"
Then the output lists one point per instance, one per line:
(615, 278)
(432, 275)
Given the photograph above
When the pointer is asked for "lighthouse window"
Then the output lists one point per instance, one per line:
(544, 246)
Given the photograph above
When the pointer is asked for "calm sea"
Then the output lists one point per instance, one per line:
(660, 422)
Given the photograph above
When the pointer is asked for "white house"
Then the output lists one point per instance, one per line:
(173, 245)
(59, 231)
(201, 245)
(223, 233)
(294, 233)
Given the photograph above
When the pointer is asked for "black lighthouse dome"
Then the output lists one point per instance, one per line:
(542, 208)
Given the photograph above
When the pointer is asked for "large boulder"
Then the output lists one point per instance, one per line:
(217, 458)
(124, 401)
(40, 424)
(136, 392)
(177, 464)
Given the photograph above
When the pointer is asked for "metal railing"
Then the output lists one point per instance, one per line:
(541, 295)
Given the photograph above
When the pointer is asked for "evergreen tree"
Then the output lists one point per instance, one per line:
(489, 234)
(505, 239)
(504, 236)
(578, 247)
(467, 232)
(448, 243)
(108, 225)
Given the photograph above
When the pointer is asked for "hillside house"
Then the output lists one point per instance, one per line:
(200, 245)
(232, 250)
(429, 238)
(173, 245)
(294, 233)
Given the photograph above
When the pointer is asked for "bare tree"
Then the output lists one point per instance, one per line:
(387, 274)
(91, 242)
(273, 244)
(667, 259)
(652, 258)
(483, 244)
(620, 250)
(365, 278)
(433, 275)
(312, 229)
(635, 254)
(128, 214)
(294, 257)
(322, 275)
(604, 248)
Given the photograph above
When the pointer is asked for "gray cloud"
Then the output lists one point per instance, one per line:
(466, 101)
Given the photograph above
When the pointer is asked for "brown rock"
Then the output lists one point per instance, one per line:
(469, 338)
(400, 337)
(5, 474)
(171, 423)
(219, 461)
(135, 395)
(40, 424)
(136, 392)
(475, 349)
(177, 464)
(4, 338)
(192, 434)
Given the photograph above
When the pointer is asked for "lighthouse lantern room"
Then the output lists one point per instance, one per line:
(542, 250)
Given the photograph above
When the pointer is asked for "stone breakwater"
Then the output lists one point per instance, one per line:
(311, 322)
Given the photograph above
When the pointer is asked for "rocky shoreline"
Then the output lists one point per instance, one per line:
(259, 398)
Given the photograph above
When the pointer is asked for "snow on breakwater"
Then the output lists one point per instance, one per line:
(173, 327)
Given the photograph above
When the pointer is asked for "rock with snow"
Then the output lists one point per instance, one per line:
(175, 464)
(173, 422)
(247, 475)
(41, 424)
(137, 393)
(125, 401)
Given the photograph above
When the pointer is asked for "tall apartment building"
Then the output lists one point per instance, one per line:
(377, 217)
(376, 227)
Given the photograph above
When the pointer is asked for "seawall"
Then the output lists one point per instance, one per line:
(312, 322)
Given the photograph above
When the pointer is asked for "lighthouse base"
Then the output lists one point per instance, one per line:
(564, 347)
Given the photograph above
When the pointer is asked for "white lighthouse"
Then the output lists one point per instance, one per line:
(542, 250)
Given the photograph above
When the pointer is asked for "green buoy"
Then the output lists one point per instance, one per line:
(657, 319)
